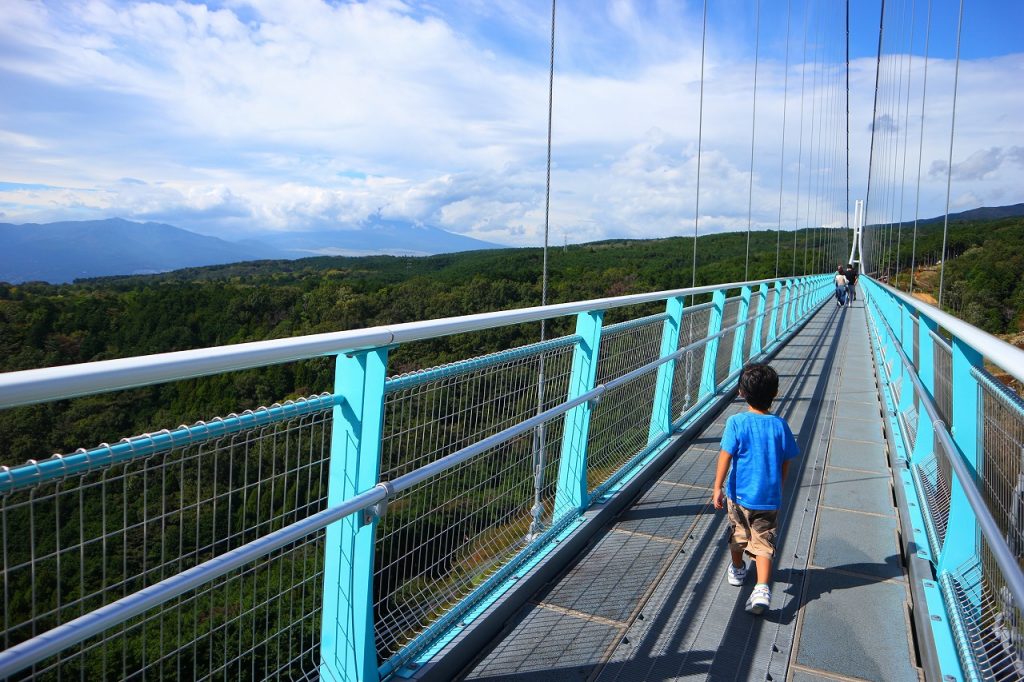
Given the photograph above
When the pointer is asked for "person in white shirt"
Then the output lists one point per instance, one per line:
(841, 283)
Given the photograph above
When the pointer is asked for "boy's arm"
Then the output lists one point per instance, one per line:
(718, 497)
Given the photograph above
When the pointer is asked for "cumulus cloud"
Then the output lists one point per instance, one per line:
(979, 165)
(267, 115)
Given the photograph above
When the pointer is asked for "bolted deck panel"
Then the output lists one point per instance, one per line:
(648, 599)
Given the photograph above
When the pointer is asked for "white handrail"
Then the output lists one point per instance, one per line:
(1009, 358)
(70, 381)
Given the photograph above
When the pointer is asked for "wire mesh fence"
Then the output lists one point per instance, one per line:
(85, 539)
(748, 330)
(620, 423)
(770, 303)
(440, 539)
(73, 544)
(934, 493)
(989, 629)
(688, 368)
(726, 341)
(1002, 469)
(943, 378)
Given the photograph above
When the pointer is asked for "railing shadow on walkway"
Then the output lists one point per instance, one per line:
(705, 544)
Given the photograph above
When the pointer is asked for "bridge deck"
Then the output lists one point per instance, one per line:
(648, 599)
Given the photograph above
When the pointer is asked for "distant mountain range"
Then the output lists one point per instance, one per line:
(65, 251)
(983, 213)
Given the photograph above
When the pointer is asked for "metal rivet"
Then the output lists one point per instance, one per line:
(936, 618)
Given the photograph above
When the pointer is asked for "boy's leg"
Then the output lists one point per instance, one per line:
(764, 569)
(737, 557)
(763, 529)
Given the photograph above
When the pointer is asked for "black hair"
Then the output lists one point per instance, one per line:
(759, 384)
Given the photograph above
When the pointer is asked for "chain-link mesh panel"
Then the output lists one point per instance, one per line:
(620, 423)
(625, 347)
(943, 401)
(908, 421)
(748, 331)
(74, 544)
(773, 300)
(688, 368)
(440, 539)
(1003, 451)
(988, 625)
(725, 342)
(934, 492)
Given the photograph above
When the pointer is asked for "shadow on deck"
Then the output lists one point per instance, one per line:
(647, 599)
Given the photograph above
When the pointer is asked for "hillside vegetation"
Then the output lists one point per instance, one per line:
(983, 282)
(45, 325)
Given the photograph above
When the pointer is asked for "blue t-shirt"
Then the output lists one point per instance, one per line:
(759, 444)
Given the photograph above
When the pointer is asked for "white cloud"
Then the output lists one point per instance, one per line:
(289, 115)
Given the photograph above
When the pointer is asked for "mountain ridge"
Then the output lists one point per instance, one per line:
(64, 251)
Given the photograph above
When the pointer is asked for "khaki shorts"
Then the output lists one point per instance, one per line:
(753, 530)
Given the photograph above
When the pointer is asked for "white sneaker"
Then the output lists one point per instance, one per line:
(737, 575)
(759, 600)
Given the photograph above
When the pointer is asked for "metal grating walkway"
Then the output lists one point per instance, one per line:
(648, 599)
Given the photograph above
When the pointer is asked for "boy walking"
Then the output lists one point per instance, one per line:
(757, 447)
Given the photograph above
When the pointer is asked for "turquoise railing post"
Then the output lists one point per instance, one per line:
(347, 645)
(925, 442)
(707, 375)
(907, 340)
(736, 361)
(961, 541)
(661, 411)
(772, 328)
(787, 295)
(796, 310)
(762, 304)
(571, 494)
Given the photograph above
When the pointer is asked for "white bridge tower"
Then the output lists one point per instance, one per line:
(857, 247)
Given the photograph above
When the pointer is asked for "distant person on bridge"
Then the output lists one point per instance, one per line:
(757, 447)
(841, 285)
(851, 282)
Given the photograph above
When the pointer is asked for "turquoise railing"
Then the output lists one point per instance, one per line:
(959, 442)
(350, 533)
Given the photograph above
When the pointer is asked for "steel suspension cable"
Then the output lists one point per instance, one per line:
(847, 231)
(949, 170)
(812, 175)
(753, 128)
(906, 124)
(800, 146)
(539, 434)
(700, 142)
(896, 90)
(547, 181)
(871, 153)
(782, 155)
(920, 144)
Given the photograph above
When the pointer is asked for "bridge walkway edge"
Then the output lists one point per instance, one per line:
(646, 598)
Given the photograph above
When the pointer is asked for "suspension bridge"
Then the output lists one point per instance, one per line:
(544, 511)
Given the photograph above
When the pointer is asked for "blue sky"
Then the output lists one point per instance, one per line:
(238, 117)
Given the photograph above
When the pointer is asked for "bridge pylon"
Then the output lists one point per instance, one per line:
(857, 245)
